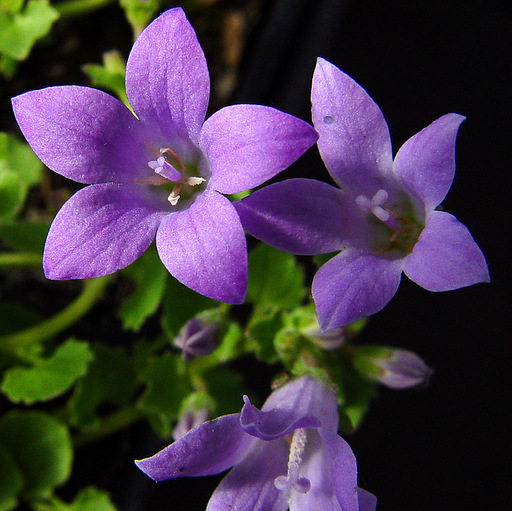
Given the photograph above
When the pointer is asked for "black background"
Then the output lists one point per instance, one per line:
(443, 448)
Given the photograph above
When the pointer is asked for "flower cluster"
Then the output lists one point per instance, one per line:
(158, 170)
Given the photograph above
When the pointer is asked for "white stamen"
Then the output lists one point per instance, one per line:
(193, 181)
(292, 480)
(173, 199)
(374, 205)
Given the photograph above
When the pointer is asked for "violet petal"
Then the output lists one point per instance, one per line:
(208, 449)
(100, 229)
(367, 501)
(354, 138)
(248, 144)
(82, 134)
(204, 248)
(426, 162)
(330, 466)
(301, 216)
(249, 486)
(167, 80)
(353, 285)
(446, 256)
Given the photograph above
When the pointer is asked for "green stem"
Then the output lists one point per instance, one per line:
(90, 294)
(19, 259)
(116, 421)
(68, 8)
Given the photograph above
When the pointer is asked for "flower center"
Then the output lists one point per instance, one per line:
(292, 479)
(403, 229)
(170, 170)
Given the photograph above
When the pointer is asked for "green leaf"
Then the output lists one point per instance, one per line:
(225, 388)
(139, 13)
(109, 75)
(275, 278)
(111, 380)
(149, 277)
(47, 377)
(181, 304)
(263, 327)
(88, 499)
(24, 236)
(11, 481)
(41, 448)
(19, 169)
(19, 31)
(165, 390)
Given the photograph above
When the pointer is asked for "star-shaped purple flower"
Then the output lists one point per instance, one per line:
(288, 455)
(383, 219)
(161, 172)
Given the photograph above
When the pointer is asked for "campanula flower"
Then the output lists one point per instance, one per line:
(383, 220)
(161, 172)
(196, 338)
(286, 456)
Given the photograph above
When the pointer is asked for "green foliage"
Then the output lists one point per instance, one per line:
(139, 13)
(88, 499)
(166, 388)
(225, 389)
(21, 28)
(19, 170)
(149, 276)
(110, 75)
(11, 481)
(47, 377)
(24, 236)
(275, 278)
(40, 448)
(111, 380)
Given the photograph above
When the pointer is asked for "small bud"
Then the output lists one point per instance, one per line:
(395, 368)
(189, 420)
(196, 338)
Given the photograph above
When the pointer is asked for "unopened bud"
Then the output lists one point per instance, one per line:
(189, 420)
(196, 338)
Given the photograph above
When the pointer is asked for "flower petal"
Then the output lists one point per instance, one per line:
(82, 134)
(204, 248)
(301, 216)
(100, 229)
(250, 485)
(330, 466)
(354, 137)
(167, 80)
(426, 162)
(208, 449)
(353, 285)
(367, 501)
(248, 144)
(446, 256)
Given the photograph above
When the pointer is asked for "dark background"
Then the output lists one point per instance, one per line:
(442, 448)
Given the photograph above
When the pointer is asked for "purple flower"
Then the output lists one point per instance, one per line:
(161, 172)
(288, 455)
(383, 219)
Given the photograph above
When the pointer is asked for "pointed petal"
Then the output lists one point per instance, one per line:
(330, 466)
(82, 134)
(204, 248)
(248, 144)
(167, 80)
(208, 449)
(352, 286)
(354, 137)
(100, 229)
(446, 256)
(301, 216)
(426, 162)
(250, 485)
(367, 501)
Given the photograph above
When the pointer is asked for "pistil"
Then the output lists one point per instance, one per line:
(292, 479)
(374, 205)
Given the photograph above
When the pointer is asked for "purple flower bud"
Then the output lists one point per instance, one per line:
(196, 338)
(394, 368)
(189, 420)
(329, 340)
